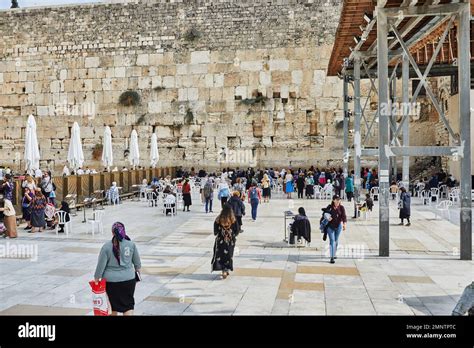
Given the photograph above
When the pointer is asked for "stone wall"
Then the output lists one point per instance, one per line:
(215, 75)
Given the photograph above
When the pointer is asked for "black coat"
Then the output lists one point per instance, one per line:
(405, 200)
(237, 205)
(302, 228)
(300, 183)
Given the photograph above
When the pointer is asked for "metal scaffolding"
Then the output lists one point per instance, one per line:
(390, 146)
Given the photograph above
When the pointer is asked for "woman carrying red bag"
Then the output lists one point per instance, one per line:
(119, 263)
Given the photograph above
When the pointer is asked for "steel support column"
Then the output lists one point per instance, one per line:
(357, 135)
(393, 121)
(405, 120)
(464, 76)
(382, 69)
(346, 124)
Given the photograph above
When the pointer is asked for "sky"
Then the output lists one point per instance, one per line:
(29, 3)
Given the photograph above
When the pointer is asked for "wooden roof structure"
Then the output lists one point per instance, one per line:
(420, 33)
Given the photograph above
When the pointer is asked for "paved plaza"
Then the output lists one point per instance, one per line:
(422, 276)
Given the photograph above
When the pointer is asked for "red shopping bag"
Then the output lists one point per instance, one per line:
(100, 300)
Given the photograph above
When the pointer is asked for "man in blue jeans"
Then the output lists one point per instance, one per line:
(255, 197)
(337, 223)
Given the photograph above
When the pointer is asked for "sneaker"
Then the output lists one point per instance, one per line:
(332, 261)
(408, 224)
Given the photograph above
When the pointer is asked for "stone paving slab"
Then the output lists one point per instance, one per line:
(422, 276)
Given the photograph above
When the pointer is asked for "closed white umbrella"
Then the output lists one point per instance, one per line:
(32, 155)
(107, 153)
(154, 155)
(75, 156)
(134, 155)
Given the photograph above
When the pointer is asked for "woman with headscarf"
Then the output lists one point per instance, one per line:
(225, 230)
(119, 263)
(404, 206)
(186, 194)
(38, 205)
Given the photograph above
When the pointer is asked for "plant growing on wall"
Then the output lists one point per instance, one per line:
(141, 119)
(97, 152)
(129, 98)
(192, 34)
(259, 99)
(189, 116)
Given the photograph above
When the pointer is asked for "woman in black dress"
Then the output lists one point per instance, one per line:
(225, 230)
(404, 206)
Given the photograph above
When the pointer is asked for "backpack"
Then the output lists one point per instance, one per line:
(254, 193)
(207, 190)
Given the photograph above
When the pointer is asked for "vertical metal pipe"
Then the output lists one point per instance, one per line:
(357, 135)
(406, 122)
(346, 125)
(393, 121)
(382, 70)
(464, 74)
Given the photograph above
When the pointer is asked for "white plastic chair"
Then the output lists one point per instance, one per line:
(443, 192)
(454, 195)
(425, 197)
(97, 220)
(443, 206)
(169, 206)
(317, 191)
(435, 193)
(419, 189)
(179, 200)
(374, 192)
(62, 217)
(152, 198)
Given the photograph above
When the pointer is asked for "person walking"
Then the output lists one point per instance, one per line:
(300, 182)
(349, 183)
(119, 263)
(289, 186)
(238, 207)
(226, 231)
(224, 193)
(208, 193)
(404, 206)
(38, 206)
(255, 197)
(337, 224)
(266, 188)
(187, 195)
(9, 218)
